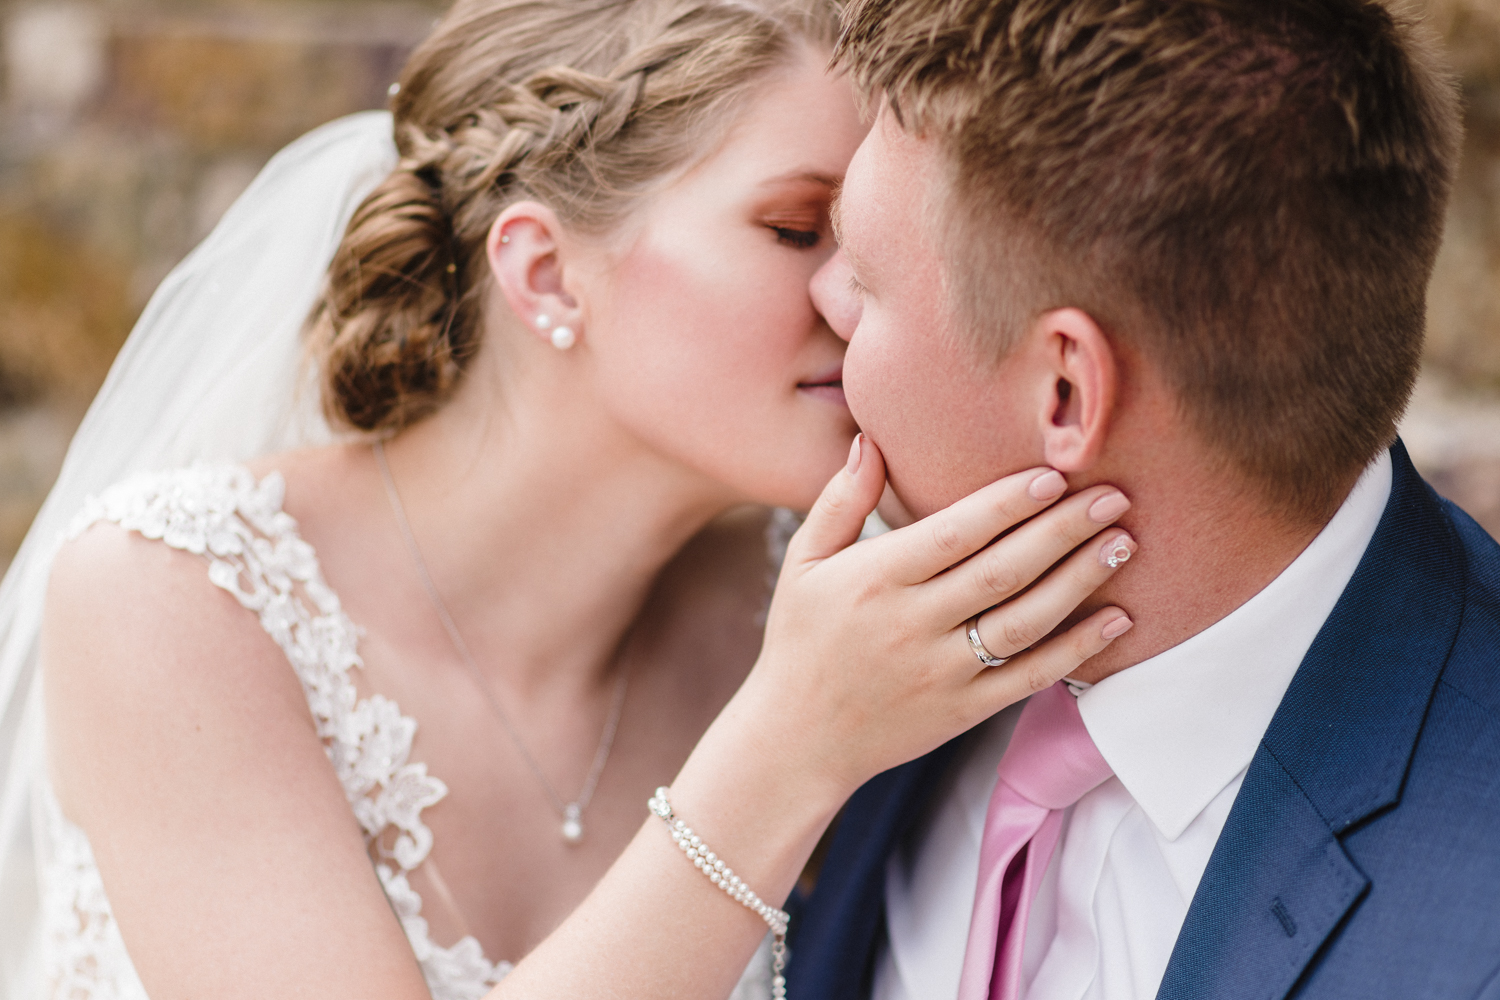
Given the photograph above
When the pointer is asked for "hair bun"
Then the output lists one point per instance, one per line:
(391, 351)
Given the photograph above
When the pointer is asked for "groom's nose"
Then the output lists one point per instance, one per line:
(835, 296)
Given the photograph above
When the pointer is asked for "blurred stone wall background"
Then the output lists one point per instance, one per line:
(1453, 427)
(128, 126)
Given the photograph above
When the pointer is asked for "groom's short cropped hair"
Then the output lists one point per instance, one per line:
(1249, 192)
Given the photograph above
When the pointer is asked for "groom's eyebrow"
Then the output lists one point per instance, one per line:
(836, 222)
(815, 176)
(836, 216)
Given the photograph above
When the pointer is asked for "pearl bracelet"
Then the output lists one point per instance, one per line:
(724, 877)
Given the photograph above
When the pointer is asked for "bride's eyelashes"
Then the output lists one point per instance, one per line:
(800, 239)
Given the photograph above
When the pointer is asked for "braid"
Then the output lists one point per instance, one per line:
(579, 104)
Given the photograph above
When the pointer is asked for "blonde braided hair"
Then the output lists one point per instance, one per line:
(582, 105)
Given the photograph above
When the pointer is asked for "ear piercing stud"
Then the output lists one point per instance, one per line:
(562, 337)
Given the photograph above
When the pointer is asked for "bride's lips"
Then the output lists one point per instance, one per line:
(829, 386)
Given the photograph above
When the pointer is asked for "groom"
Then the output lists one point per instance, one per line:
(1181, 246)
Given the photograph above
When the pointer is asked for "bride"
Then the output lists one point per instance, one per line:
(567, 353)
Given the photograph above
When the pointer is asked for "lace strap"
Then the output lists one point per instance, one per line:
(255, 553)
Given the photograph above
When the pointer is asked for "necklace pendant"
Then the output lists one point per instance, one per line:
(572, 825)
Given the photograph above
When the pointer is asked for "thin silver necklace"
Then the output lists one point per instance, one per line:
(571, 812)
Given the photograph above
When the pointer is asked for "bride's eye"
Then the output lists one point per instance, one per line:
(801, 239)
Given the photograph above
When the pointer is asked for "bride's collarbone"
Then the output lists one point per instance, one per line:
(712, 593)
(499, 869)
(696, 638)
(700, 620)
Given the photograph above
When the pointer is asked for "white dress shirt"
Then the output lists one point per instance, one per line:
(1179, 730)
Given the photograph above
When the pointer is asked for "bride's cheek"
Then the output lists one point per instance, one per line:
(709, 346)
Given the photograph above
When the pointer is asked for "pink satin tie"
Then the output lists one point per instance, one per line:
(1050, 764)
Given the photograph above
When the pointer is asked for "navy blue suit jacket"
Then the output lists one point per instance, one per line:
(1361, 858)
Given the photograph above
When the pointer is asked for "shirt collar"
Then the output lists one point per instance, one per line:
(1180, 727)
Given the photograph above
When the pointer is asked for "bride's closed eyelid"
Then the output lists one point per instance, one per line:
(800, 230)
(795, 220)
(804, 214)
(801, 239)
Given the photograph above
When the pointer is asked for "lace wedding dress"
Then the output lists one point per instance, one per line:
(251, 549)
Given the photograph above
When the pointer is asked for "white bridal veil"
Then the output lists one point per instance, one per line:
(211, 371)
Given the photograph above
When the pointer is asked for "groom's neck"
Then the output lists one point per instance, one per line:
(1208, 543)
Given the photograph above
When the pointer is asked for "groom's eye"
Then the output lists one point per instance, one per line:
(801, 239)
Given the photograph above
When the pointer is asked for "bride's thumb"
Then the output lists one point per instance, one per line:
(837, 518)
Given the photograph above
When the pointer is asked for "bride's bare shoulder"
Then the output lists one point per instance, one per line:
(135, 574)
(110, 569)
(139, 555)
(137, 641)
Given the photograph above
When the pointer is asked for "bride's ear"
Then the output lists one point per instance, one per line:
(525, 259)
(1079, 400)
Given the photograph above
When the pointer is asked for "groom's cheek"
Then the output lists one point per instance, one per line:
(897, 391)
(874, 397)
(946, 422)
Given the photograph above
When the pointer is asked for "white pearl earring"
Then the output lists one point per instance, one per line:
(543, 321)
(563, 338)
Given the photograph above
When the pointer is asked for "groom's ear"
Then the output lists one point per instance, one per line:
(1079, 400)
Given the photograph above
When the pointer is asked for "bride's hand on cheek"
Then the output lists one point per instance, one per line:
(866, 665)
(867, 661)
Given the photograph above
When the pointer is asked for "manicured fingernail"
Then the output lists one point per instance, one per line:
(1108, 507)
(1117, 551)
(1117, 628)
(1048, 485)
(856, 453)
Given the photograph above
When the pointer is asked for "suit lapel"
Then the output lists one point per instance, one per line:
(837, 930)
(1279, 882)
